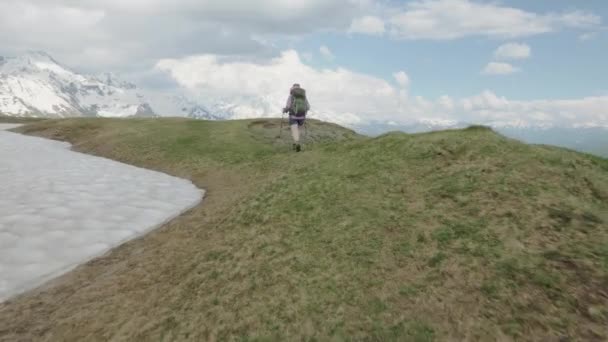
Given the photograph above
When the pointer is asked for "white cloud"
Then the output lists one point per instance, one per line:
(83, 33)
(446, 102)
(338, 95)
(349, 98)
(578, 19)
(368, 24)
(402, 79)
(18, 14)
(513, 51)
(496, 68)
(452, 19)
(587, 36)
(31, 25)
(127, 35)
(326, 53)
(488, 107)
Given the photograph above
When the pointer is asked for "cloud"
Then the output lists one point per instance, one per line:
(513, 51)
(368, 24)
(94, 35)
(350, 98)
(261, 89)
(446, 102)
(402, 79)
(326, 53)
(28, 25)
(496, 68)
(490, 108)
(587, 36)
(453, 19)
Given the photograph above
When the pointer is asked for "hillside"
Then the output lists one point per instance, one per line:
(451, 235)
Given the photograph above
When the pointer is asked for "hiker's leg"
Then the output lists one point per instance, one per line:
(301, 124)
(295, 133)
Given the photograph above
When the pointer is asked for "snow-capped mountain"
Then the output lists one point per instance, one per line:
(169, 104)
(35, 84)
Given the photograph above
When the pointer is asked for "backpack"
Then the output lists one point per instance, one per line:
(298, 105)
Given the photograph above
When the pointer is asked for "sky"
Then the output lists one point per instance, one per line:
(509, 61)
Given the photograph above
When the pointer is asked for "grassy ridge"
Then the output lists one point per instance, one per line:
(462, 235)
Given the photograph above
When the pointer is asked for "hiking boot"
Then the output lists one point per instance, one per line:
(298, 148)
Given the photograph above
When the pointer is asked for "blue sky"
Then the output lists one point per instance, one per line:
(562, 64)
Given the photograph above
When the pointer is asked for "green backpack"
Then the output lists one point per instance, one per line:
(298, 106)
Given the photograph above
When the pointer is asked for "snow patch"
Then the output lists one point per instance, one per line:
(61, 208)
(38, 95)
(118, 111)
(52, 67)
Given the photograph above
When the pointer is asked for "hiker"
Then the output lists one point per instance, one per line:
(297, 106)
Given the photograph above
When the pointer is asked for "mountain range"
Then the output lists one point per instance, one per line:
(36, 85)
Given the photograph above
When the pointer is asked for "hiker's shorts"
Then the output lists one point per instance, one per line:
(296, 120)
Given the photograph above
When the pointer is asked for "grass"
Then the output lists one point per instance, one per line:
(454, 235)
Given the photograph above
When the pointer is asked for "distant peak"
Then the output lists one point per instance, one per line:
(40, 56)
(32, 60)
(38, 53)
(111, 79)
